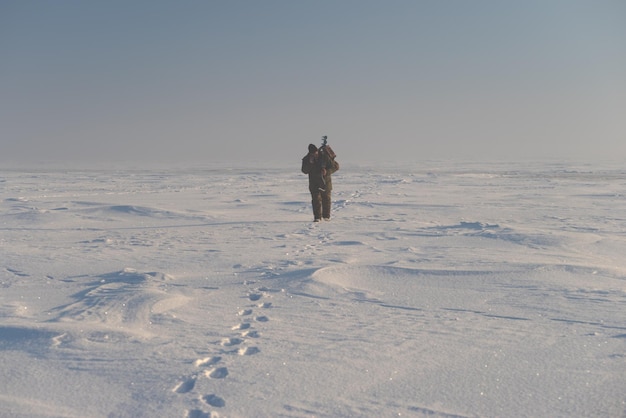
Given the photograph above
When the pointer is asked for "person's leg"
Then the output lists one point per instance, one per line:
(316, 202)
(326, 202)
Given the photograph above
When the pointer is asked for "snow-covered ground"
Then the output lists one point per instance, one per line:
(438, 289)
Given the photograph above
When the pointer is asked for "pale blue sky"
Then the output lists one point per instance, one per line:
(238, 81)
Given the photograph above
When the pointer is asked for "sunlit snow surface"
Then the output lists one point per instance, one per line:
(439, 289)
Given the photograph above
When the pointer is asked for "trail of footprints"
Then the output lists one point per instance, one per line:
(215, 367)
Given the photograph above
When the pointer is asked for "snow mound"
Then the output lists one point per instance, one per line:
(403, 287)
(122, 301)
(132, 210)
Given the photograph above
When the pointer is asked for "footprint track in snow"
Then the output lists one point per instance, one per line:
(248, 351)
(229, 342)
(196, 413)
(207, 361)
(210, 364)
(213, 400)
(186, 385)
(251, 334)
(217, 373)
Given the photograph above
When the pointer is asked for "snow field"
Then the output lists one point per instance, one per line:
(436, 290)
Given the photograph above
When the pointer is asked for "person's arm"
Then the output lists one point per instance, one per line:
(307, 164)
(332, 166)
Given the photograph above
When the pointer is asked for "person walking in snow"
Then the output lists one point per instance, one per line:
(320, 164)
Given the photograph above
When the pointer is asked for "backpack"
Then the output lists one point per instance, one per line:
(326, 149)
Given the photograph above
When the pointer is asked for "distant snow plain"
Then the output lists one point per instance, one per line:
(438, 289)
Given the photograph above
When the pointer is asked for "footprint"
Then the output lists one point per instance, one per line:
(248, 351)
(265, 305)
(251, 334)
(214, 400)
(196, 413)
(245, 312)
(254, 296)
(243, 325)
(262, 318)
(186, 385)
(217, 373)
(208, 361)
(229, 342)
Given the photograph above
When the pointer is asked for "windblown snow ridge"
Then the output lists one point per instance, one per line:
(121, 300)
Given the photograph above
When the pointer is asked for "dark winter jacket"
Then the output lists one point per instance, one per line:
(312, 165)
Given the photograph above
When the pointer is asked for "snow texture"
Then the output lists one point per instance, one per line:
(439, 290)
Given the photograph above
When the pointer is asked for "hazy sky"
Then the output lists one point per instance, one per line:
(202, 81)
